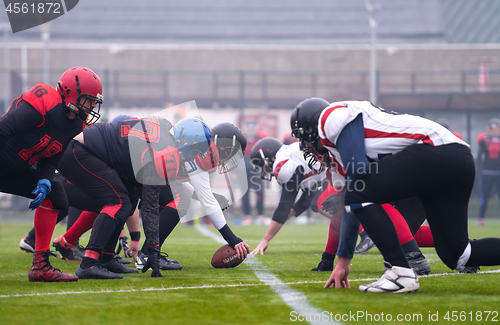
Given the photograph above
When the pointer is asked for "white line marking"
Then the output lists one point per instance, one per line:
(293, 298)
(204, 286)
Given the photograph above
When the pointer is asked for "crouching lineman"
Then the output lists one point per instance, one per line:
(415, 157)
(114, 165)
(316, 182)
(192, 138)
(286, 163)
(36, 130)
(226, 149)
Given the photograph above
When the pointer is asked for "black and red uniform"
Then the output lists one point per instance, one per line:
(105, 170)
(36, 131)
(488, 160)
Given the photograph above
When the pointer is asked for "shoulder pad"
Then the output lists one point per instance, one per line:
(42, 97)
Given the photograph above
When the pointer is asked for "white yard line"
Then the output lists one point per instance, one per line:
(202, 287)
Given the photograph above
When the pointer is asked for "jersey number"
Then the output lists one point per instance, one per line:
(39, 91)
(41, 150)
(149, 133)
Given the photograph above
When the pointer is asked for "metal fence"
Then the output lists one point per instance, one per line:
(239, 89)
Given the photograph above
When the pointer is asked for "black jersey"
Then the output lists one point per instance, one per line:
(36, 129)
(125, 145)
(489, 153)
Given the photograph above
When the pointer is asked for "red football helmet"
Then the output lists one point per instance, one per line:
(81, 91)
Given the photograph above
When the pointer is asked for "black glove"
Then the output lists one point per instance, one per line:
(153, 262)
(333, 203)
(223, 201)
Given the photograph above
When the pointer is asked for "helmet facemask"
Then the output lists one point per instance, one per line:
(266, 166)
(229, 153)
(87, 113)
(317, 159)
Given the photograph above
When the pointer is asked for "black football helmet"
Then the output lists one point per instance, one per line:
(229, 139)
(263, 155)
(304, 119)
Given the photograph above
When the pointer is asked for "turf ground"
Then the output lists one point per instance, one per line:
(200, 294)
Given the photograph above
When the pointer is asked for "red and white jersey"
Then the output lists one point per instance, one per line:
(288, 158)
(385, 132)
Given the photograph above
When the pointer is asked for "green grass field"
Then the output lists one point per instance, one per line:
(200, 294)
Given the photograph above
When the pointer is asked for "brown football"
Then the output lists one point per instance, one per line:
(225, 257)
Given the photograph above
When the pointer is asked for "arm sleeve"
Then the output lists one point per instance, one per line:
(229, 236)
(288, 194)
(17, 120)
(150, 213)
(351, 146)
(304, 202)
(349, 230)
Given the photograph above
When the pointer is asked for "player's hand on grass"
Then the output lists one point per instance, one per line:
(261, 248)
(242, 249)
(340, 274)
(133, 249)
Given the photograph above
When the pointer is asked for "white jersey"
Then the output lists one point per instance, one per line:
(385, 132)
(199, 181)
(288, 158)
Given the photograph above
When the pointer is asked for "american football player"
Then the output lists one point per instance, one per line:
(228, 143)
(411, 157)
(36, 130)
(321, 186)
(114, 165)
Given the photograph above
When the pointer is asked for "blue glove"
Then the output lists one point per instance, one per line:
(41, 191)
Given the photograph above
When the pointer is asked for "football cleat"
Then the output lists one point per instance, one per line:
(66, 250)
(326, 263)
(42, 271)
(116, 267)
(469, 269)
(364, 245)
(140, 260)
(79, 251)
(395, 279)
(96, 271)
(26, 245)
(418, 263)
(122, 260)
(165, 263)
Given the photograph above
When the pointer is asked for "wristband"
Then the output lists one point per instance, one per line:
(135, 236)
(229, 236)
